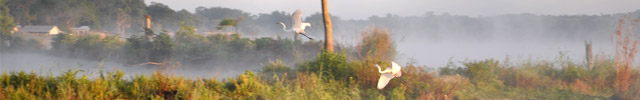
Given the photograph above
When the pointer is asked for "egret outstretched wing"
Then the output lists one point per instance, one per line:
(297, 25)
(396, 69)
(387, 74)
(384, 80)
(296, 18)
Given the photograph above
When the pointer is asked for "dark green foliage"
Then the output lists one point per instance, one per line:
(99, 14)
(483, 72)
(140, 50)
(328, 76)
(227, 22)
(90, 45)
(241, 44)
(8, 41)
(214, 13)
(276, 67)
(334, 66)
(399, 93)
(331, 76)
(571, 73)
(12, 43)
(137, 50)
(191, 46)
(163, 16)
(109, 15)
(62, 41)
(162, 47)
(451, 69)
(93, 47)
(6, 20)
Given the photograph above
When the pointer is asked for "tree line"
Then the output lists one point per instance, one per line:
(127, 16)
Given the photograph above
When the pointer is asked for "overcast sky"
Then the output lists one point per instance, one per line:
(362, 9)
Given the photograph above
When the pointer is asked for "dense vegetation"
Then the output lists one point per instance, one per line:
(117, 16)
(186, 47)
(345, 75)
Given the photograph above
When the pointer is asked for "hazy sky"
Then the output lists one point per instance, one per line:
(362, 9)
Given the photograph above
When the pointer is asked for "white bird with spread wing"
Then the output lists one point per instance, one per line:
(298, 26)
(388, 74)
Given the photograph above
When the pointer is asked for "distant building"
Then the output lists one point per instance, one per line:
(15, 29)
(43, 34)
(82, 30)
(40, 30)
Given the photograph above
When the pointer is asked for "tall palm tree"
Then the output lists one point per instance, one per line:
(328, 31)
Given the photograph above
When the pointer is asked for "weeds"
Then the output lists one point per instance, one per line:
(626, 49)
(333, 76)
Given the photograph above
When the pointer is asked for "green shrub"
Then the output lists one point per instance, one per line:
(276, 67)
(330, 65)
(483, 73)
(398, 93)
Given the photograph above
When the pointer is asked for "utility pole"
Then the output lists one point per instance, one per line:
(147, 29)
(328, 29)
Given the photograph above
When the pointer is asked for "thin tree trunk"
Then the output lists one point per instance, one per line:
(295, 37)
(589, 54)
(328, 31)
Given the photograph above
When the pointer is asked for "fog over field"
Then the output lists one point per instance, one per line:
(276, 49)
(426, 38)
(367, 8)
(43, 64)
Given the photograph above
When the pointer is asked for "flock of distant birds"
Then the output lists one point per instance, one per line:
(298, 27)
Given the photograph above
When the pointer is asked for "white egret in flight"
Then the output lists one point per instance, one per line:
(388, 74)
(298, 26)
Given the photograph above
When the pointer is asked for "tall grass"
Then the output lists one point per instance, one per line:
(334, 76)
(476, 80)
(626, 50)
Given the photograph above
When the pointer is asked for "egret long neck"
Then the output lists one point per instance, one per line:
(284, 27)
(379, 70)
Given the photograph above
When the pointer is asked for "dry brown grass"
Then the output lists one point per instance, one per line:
(364, 74)
(445, 86)
(626, 49)
(376, 45)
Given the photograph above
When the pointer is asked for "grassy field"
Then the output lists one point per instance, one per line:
(351, 75)
(331, 76)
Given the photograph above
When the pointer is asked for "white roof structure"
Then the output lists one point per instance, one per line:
(40, 29)
(84, 28)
